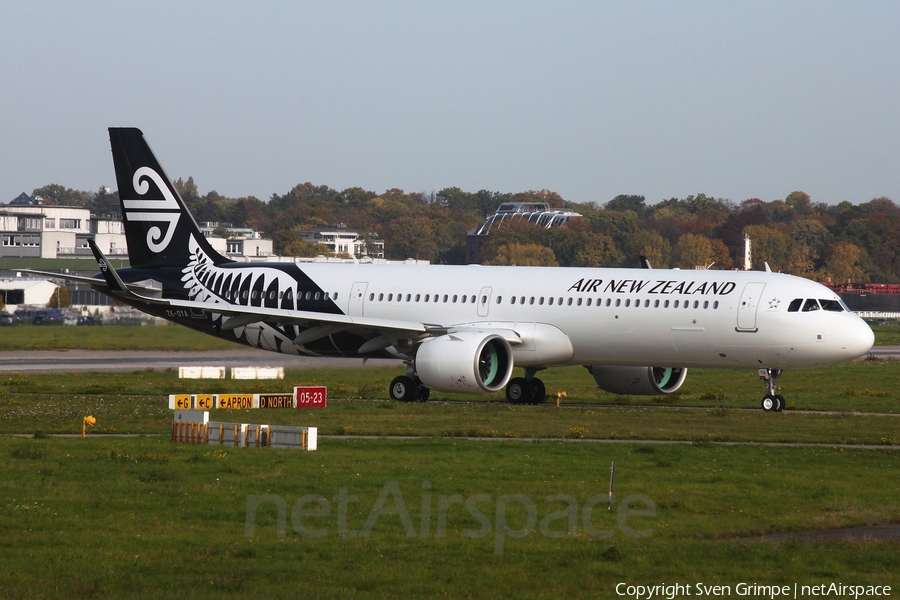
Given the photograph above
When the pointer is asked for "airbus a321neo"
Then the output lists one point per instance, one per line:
(464, 328)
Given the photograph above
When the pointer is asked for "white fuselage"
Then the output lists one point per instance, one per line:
(628, 317)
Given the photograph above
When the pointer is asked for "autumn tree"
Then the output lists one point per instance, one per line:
(655, 247)
(842, 263)
(769, 245)
(524, 255)
(59, 298)
(692, 250)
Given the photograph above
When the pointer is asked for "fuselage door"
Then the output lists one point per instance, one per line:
(746, 318)
(358, 298)
(484, 302)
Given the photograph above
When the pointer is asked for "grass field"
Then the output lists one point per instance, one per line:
(141, 517)
(443, 515)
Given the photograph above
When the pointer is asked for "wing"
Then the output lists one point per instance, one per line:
(98, 283)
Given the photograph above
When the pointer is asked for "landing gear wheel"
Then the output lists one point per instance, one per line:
(423, 394)
(404, 389)
(518, 390)
(779, 399)
(538, 391)
(772, 402)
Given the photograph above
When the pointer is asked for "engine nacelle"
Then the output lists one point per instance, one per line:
(469, 362)
(638, 381)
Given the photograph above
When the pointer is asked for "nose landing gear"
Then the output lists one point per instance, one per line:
(772, 402)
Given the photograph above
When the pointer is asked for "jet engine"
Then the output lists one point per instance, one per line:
(638, 381)
(470, 361)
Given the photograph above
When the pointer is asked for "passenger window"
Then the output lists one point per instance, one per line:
(463, 299)
(675, 304)
(588, 301)
(512, 300)
(618, 301)
(371, 297)
(706, 304)
(454, 298)
(608, 301)
(716, 304)
(579, 302)
(656, 304)
(522, 300)
(335, 296)
(666, 304)
(390, 297)
(794, 306)
(627, 302)
(541, 300)
(445, 297)
(484, 299)
(647, 303)
(317, 296)
(569, 302)
(531, 300)
(550, 301)
(499, 298)
(408, 297)
(810, 305)
(418, 297)
(473, 298)
(696, 303)
(831, 305)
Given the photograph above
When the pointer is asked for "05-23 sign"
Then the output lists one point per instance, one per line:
(310, 396)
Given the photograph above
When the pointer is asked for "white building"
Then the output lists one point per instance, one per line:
(39, 231)
(28, 291)
(340, 241)
(242, 243)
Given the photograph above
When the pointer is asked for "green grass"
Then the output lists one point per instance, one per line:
(60, 337)
(57, 264)
(137, 403)
(112, 517)
(119, 518)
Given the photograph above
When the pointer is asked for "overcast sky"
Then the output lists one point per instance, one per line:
(589, 99)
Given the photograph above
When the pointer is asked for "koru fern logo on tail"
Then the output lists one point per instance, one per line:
(163, 211)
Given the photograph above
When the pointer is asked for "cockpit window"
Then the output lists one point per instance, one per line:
(795, 305)
(810, 305)
(832, 305)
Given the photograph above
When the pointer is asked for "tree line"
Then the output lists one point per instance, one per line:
(842, 243)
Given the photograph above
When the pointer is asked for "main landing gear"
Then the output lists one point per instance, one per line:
(771, 402)
(526, 390)
(408, 389)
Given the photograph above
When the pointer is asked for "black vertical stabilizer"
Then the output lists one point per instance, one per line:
(158, 226)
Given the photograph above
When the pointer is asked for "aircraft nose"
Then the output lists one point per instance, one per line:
(858, 339)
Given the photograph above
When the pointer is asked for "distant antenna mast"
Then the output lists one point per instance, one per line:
(746, 252)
